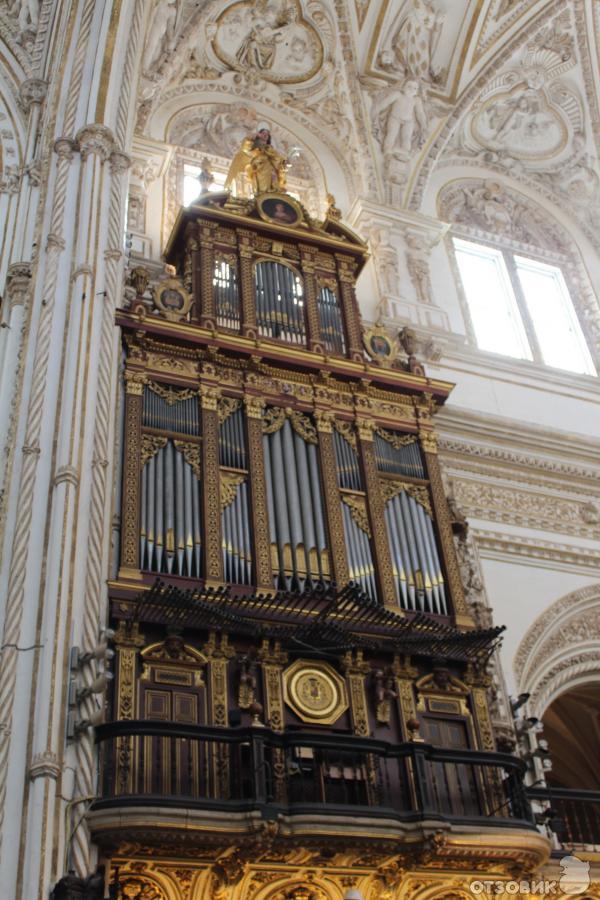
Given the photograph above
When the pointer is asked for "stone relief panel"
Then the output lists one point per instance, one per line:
(561, 646)
(528, 113)
(490, 206)
(271, 37)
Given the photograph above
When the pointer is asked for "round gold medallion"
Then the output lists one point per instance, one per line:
(315, 692)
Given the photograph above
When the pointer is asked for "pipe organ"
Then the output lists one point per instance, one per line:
(342, 481)
(288, 605)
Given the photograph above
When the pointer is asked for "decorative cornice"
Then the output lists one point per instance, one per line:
(557, 557)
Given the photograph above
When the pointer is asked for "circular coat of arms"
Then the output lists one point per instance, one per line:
(315, 691)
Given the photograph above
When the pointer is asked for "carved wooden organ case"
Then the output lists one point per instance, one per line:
(281, 492)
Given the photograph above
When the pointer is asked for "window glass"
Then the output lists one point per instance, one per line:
(494, 312)
(558, 332)
(191, 185)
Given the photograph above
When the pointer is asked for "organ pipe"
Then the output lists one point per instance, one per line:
(227, 301)
(170, 534)
(296, 511)
(170, 410)
(279, 302)
(347, 463)
(416, 563)
(360, 559)
(330, 320)
(398, 454)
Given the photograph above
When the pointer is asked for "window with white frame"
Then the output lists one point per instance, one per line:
(521, 307)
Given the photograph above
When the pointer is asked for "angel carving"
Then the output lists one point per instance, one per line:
(264, 166)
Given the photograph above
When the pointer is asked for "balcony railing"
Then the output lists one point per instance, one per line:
(301, 772)
(573, 816)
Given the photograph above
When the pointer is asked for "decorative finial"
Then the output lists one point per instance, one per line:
(206, 176)
(333, 212)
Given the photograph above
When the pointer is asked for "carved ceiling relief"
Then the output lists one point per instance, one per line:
(530, 121)
(408, 67)
(273, 38)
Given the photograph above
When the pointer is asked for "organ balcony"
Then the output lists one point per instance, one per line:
(296, 660)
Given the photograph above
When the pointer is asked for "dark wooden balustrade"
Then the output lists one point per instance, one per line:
(573, 815)
(256, 768)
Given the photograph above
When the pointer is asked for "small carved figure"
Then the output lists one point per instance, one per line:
(400, 117)
(264, 166)
(27, 12)
(258, 47)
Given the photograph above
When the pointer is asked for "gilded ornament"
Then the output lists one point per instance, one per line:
(192, 455)
(358, 511)
(172, 299)
(151, 444)
(230, 482)
(315, 691)
(170, 395)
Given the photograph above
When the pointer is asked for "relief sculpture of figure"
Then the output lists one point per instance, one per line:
(416, 40)
(258, 47)
(264, 166)
(162, 32)
(399, 116)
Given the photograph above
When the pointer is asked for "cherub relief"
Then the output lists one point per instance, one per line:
(399, 118)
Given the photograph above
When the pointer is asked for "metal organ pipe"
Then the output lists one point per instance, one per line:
(414, 550)
(170, 527)
(295, 503)
(330, 319)
(279, 302)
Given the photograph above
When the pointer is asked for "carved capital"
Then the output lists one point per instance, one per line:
(64, 148)
(324, 419)
(134, 382)
(209, 397)
(119, 162)
(365, 428)
(254, 407)
(32, 91)
(18, 281)
(95, 139)
(45, 765)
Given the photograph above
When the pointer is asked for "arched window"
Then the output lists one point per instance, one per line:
(521, 306)
(520, 281)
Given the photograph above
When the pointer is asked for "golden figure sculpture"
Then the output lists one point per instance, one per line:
(264, 166)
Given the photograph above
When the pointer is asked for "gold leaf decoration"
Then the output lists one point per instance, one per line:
(226, 407)
(230, 482)
(191, 454)
(273, 419)
(418, 492)
(347, 431)
(358, 511)
(396, 440)
(303, 426)
(150, 446)
(170, 395)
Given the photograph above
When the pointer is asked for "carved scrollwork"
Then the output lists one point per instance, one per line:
(191, 454)
(151, 444)
(230, 481)
(418, 492)
(347, 431)
(358, 511)
(275, 416)
(170, 395)
(226, 407)
(396, 440)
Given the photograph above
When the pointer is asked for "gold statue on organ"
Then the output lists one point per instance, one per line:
(263, 165)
